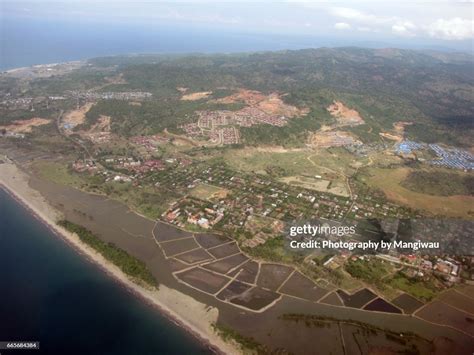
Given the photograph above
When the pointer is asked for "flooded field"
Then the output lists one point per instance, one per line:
(380, 305)
(357, 299)
(407, 303)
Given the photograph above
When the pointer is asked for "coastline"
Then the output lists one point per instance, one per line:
(194, 317)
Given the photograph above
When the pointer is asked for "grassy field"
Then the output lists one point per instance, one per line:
(207, 192)
(330, 164)
(390, 180)
(440, 183)
(58, 173)
(418, 289)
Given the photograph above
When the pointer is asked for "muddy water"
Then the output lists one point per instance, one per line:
(114, 222)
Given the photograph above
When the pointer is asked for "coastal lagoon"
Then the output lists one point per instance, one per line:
(51, 294)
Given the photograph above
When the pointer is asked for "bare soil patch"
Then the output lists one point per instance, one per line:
(196, 96)
(249, 272)
(195, 256)
(203, 280)
(210, 240)
(256, 298)
(332, 299)
(225, 265)
(440, 313)
(358, 299)
(329, 139)
(25, 126)
(75, 117)
(224, 250)
(458, 300)
(232, 291)
(344, 115)
(407, 303)
(273, 275)
(302, 287)
(179, 246)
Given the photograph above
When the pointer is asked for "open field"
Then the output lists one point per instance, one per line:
(389, 181)
(419, 289)
(329, 164)
(196, 96)
(438, 182)
(441, 313)
(57, 172)
(75, 117)
(407, 303)
(337, 188)
(25, 126)
(208, 192)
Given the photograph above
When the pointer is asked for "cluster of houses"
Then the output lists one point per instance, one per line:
(124, 95)
(447, 157)
(184, 211)
(210, 124)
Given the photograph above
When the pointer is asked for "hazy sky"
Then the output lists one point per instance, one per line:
(441, 22)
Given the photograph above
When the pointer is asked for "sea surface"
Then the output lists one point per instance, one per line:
(51, 294)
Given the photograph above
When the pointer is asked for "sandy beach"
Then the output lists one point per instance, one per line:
(197, 318)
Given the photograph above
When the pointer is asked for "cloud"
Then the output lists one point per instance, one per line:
(360, 16)
(404, 28)
(342, 26)
(452, 29)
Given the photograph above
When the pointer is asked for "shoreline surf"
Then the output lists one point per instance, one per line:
(198, 330)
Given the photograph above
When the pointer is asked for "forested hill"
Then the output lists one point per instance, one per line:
(433, 89)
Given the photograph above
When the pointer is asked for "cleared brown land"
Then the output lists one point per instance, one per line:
(224, 250)
(232, 291)
(256, 298)
(195, 256)
(203, 280)
(345, 115)
(407, 303)
(176, 265)
(272, 275)
(357, 299)
(332, 299)
(78, 116)
(302, 287)
(440, 313)
(398, 132)
(467, 290)
(178, 246)
(458, 300)
(163, 232)
(25, 126)
(249, 272)
(210, 240)
(271, 104)
(224, 265)
(196, 96)
(331, 139)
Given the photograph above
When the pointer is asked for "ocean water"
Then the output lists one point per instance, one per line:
(51, 294)
(25, 42)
